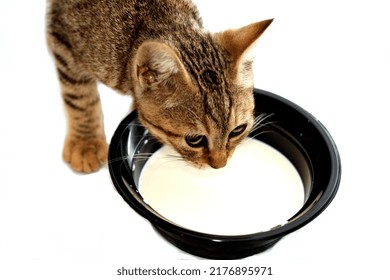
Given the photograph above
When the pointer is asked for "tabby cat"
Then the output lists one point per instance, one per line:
(192, 89)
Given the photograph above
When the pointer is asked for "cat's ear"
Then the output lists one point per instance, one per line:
(155, 64)
(238, 41)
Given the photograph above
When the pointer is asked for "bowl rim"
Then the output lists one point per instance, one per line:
(320, 205)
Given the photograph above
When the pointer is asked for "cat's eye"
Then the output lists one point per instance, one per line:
(196, 141)
(237, 131)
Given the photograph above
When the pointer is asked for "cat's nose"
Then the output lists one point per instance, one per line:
(217, 160)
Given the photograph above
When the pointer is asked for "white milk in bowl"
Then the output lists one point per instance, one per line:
(258, 189)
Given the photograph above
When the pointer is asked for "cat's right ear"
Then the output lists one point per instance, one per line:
(155, 64)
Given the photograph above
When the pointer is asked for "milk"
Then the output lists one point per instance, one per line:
(257, 190)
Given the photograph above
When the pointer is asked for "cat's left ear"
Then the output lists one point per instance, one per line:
(238, 41)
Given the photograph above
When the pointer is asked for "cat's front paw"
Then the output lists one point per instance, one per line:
(85, 155)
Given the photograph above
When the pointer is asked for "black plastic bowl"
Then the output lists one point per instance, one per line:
(294, 132)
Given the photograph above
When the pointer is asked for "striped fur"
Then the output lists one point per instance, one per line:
(185, 81)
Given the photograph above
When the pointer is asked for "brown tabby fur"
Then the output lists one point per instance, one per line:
(185, 81)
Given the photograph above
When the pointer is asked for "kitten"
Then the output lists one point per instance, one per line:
(192, 89)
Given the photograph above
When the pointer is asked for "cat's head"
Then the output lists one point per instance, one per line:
(196, 94)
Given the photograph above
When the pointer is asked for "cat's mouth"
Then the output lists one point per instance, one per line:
(213, 160)
(218, 160)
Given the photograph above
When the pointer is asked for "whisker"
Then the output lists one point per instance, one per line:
(118, 159)
(258, 134)
(169, 159)
(173, 157)
(260, 119)
(261, 122)
(136, 157)
(141, 156)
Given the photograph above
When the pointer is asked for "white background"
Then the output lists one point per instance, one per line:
(330, 57)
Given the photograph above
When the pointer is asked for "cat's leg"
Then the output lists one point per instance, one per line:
(85, 146)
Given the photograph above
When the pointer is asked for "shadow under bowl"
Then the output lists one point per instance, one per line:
(294, 132)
